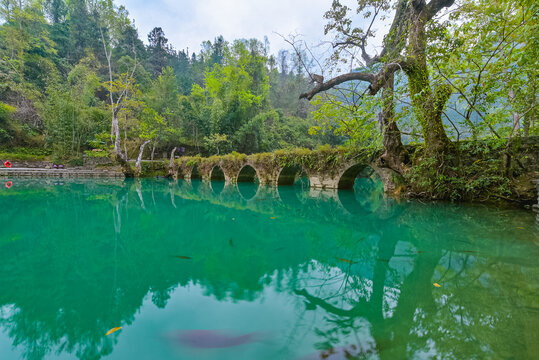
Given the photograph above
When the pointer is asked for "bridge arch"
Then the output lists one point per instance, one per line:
(248, 173)
(247, 191)
(347, 178)
(187, 172)
(367, 186)
(247, 176)
(217, 173)
(288, 175)
(217, 179)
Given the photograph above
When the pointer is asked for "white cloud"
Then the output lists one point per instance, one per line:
(189, 22)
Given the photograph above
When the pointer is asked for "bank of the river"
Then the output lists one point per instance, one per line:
(477, 171)
(60, 173)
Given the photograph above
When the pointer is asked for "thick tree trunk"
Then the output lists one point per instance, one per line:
(528, 123)
(394, 153)
(407, 33)
(428, 104)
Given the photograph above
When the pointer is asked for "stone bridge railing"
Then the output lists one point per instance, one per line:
(326, 168)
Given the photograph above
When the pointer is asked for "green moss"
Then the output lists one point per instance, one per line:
(153, 169)
(97, 153)
(471, 170)
(474, 171)
(324, 159)
(6, 111)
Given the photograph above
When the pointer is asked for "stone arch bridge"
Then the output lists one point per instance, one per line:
(326, 168)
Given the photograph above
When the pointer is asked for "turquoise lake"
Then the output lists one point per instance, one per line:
(196, 270)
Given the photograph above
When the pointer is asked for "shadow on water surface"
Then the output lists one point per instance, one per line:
(321, 273)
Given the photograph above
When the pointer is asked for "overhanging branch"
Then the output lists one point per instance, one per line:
(376, 80)
(336, 81)
(433, 7)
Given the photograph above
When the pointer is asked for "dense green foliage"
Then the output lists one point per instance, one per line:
(447, 71)
(76, 79)
(66, 66)
(485, 52)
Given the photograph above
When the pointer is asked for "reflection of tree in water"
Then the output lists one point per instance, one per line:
(398, 311)
(369, 189)
(41, 325)
(92, 276)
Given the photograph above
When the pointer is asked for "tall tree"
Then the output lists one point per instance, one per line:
(112, 22)
(158, 49)
(56, 10)
(404, 48)
(83, 30)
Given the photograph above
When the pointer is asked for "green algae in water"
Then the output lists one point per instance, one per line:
(79, 259)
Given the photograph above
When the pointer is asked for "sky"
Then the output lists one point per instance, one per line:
(187, 23)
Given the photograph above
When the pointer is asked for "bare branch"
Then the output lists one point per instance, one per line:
(376, 80)
(299, 55)
(336, 81)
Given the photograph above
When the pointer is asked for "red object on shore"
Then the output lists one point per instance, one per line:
(9, 184)
(7, 164)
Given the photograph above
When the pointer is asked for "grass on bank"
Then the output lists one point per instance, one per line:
(23, 154)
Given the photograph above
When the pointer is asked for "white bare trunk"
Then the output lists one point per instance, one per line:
(139, 159)
(125, 137)
(171, 164)
(116, 128)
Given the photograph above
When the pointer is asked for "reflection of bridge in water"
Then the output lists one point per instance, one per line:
(270, 199)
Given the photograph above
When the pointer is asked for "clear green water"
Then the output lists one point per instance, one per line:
(283, 274)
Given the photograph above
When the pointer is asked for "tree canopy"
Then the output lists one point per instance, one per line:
(75, 71)
(76, 78)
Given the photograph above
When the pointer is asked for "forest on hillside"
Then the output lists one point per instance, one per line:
(68, 67)
(76, 78)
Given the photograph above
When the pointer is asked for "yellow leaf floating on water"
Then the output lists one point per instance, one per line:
(437, 285)
(272, 218)
(112, 330)
(520, 227)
